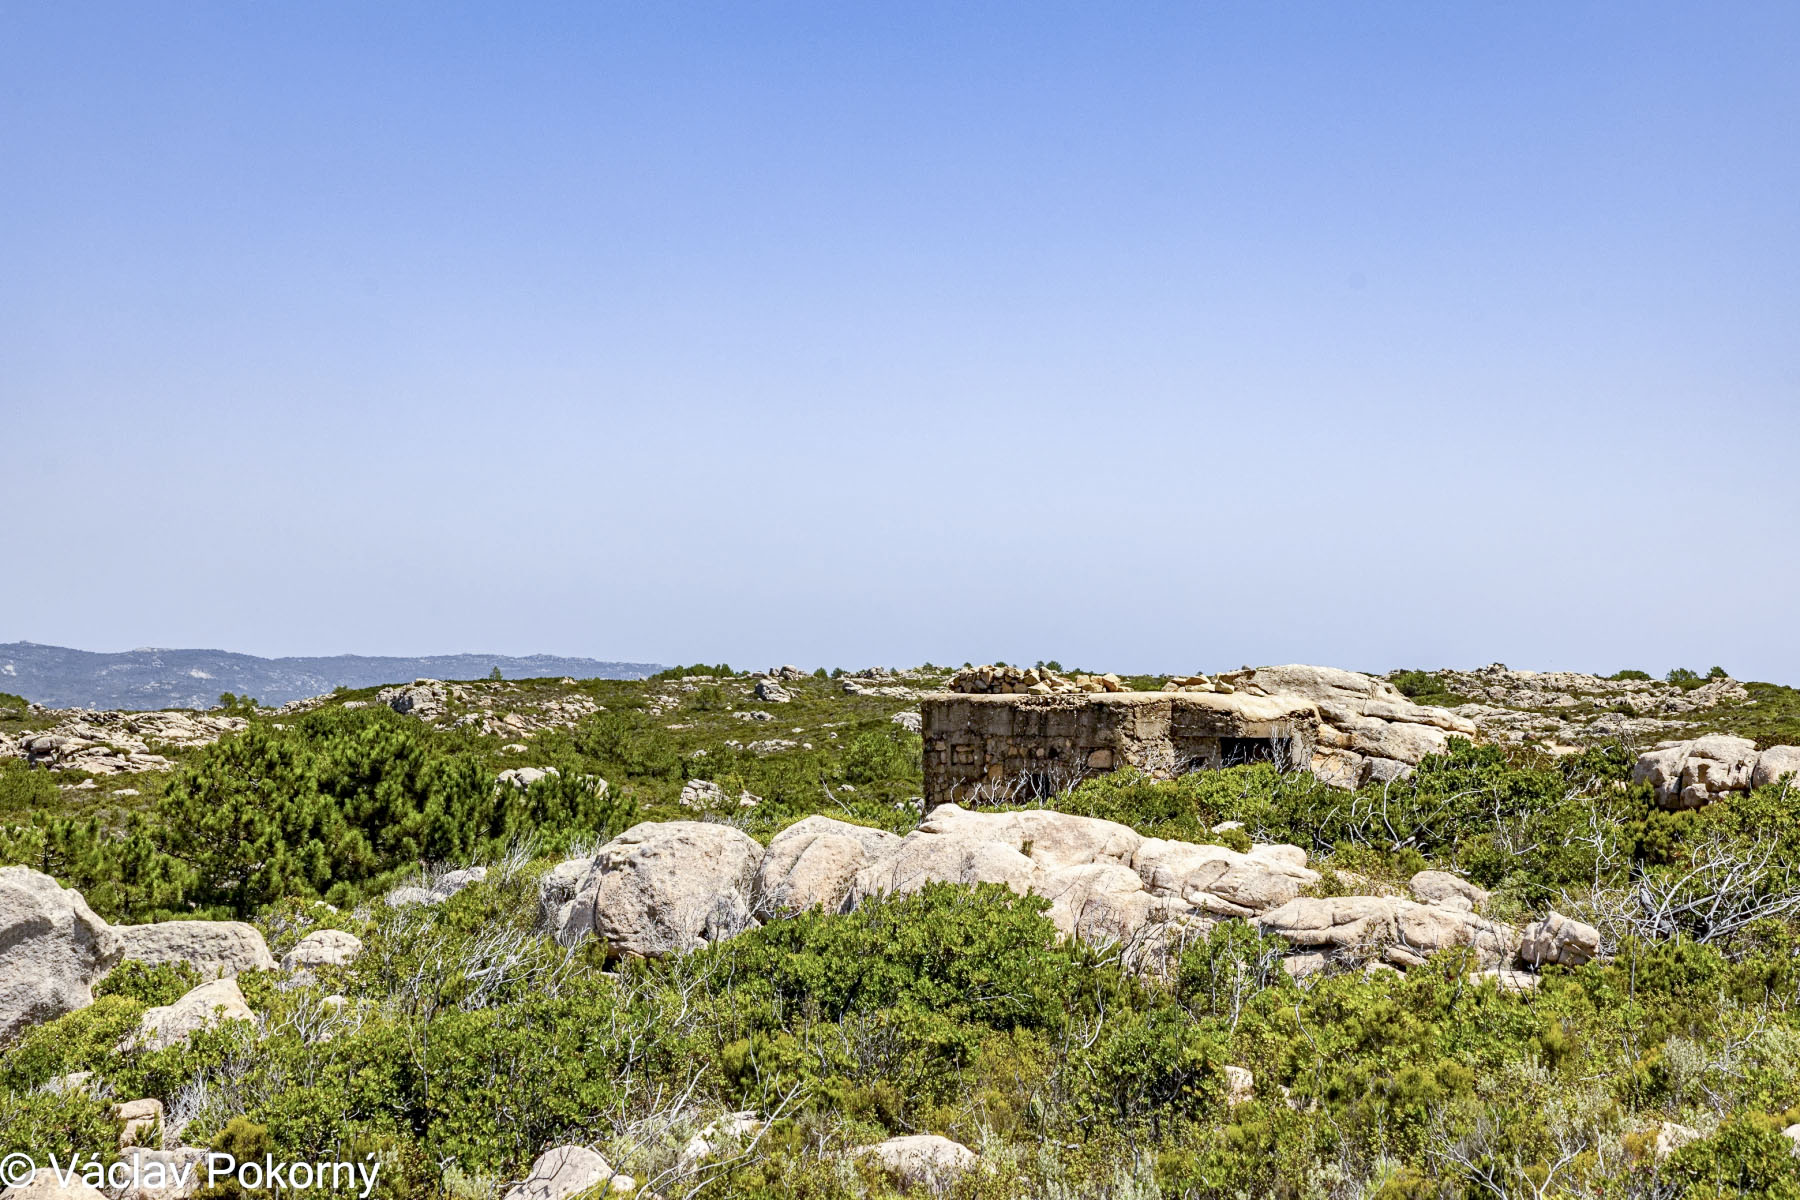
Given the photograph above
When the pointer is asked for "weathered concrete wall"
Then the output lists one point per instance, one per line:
(992, 749)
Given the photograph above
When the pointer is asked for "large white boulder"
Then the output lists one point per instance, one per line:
(1447, 891)
(206, 1007)
(451, 882)
(322, 948)
(923, 858)
(217, 949)
(1052, 840)
(562, 1172)
(1694, 773)
(1775, 764)
(812, 863)
(1400, 741)
(921, 1160)
(663, 887)
(1100, 903)
(1559, 939)
(1670, 1137)
(1218, 879)
(955, 845)
(53, 949)
(521, 778)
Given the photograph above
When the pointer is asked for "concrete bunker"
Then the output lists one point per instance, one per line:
(1000, 749)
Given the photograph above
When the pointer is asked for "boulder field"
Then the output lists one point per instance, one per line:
(666, 887)
(54, 949)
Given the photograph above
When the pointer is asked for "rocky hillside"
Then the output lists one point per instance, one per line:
(58, 677)
(694, 936)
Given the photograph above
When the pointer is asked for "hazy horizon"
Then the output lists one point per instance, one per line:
(1169, 338)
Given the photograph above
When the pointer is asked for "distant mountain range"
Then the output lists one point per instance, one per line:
(150, 678)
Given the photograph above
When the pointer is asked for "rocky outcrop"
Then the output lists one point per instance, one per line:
(1106, 883)
(664, 887)
(1696, 772)
(812, 863)
(1370, 731)
(1670, 1137)
(1776, 764)
(114, 743)
(1400, 932)
(206, 1007)
(1564, 707)
(322, 948)
(920, 859)
(425, 699)
(1051, 840)
(1558, 939)
(522, 778)
(1033, 681)
(1220, 881)
(442, 889)
(1447, 891)
(770, 692)
(451, 882)
(216, 949)
(567, 1171)
(703, 794)
(920, 1161)
(53, 949)
(1108, 904)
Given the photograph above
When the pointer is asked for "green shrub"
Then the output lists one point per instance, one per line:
(79, 1041)
(152, 986)
(883, 754)
(1224, 971)
(1425, 687)
(1151, 1066)
(24, 789)
(1747, 1157)
(982, 954)
(42, 1123)
(628, 745)
(341, 800)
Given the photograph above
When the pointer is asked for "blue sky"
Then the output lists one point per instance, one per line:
(1144, 337)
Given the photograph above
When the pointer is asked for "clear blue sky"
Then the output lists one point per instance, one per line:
(1140, 336)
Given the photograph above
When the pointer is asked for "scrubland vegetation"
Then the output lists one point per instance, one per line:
(470, 1041)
